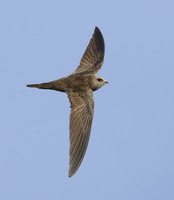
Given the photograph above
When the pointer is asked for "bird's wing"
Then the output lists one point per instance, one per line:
(93, 57)
(81, 116)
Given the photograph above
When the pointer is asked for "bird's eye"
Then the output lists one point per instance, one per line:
(99, 79)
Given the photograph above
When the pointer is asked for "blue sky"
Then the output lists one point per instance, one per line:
(131, 153)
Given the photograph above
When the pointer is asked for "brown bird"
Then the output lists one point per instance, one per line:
(79, 87)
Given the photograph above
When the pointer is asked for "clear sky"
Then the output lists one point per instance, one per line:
(130, 155)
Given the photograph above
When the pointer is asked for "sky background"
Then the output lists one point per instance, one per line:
(130, 155)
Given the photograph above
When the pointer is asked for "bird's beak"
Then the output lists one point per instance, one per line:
(106, 82)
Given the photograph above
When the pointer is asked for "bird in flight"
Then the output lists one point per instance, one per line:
(79, 87)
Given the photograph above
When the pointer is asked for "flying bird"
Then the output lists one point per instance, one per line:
(79, 87)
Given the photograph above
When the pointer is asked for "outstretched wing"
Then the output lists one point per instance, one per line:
(93, 57)
(81, 116)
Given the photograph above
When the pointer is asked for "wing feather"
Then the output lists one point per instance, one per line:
(81, 116)
(93, 57)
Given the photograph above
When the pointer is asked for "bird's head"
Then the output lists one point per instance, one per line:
(98, 82)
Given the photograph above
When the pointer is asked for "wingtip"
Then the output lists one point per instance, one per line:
(99, 38)
(70, 174)
(72, 170)
(97, 29)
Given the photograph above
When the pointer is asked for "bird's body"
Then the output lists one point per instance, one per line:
(79, 87)
(72, 83)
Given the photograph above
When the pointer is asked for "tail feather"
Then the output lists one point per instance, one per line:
(33, 85)
(49, 85)
(53, 85)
